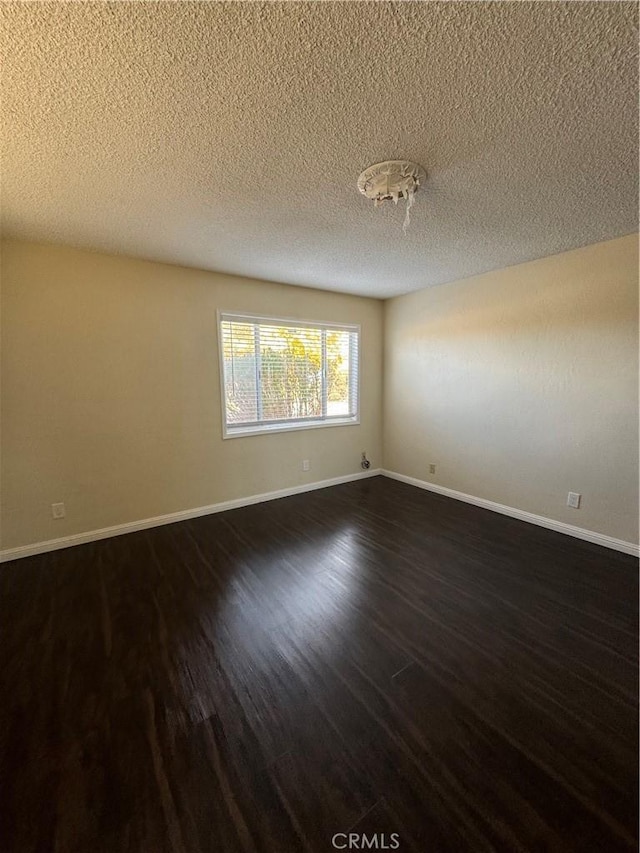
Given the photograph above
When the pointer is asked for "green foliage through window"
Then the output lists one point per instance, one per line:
(276, 373)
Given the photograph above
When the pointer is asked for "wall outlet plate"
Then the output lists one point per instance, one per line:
(57, 510)
(573, 500)
(306, 465)
(432, 469)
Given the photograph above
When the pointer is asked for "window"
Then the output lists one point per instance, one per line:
(283, 374)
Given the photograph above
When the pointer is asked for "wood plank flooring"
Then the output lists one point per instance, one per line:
(368, 658)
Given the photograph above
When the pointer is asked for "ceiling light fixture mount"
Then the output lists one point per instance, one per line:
(392, 180)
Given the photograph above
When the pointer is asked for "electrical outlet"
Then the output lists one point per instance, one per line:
(306, 465)
(57, 510)
(573, 500)
(432, 469)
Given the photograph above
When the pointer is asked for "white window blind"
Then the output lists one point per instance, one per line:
(281, 374)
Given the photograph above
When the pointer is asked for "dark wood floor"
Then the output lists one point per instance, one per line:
(369, 658)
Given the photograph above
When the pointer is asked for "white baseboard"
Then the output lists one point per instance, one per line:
(540, 520)
(171, 518)
(183, 515)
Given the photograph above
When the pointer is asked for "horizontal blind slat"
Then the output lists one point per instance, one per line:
(282, 378)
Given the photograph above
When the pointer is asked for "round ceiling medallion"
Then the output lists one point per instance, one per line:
(393, 179)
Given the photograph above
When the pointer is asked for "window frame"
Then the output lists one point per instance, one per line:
(272, 427)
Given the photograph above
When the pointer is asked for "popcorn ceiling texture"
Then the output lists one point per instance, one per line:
(230, 136)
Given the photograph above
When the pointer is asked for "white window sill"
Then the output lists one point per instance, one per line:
(270, 429)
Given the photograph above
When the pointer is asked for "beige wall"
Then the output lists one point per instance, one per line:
(522, 385)
(111, 392)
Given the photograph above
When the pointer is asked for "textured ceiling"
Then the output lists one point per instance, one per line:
(230, 136)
